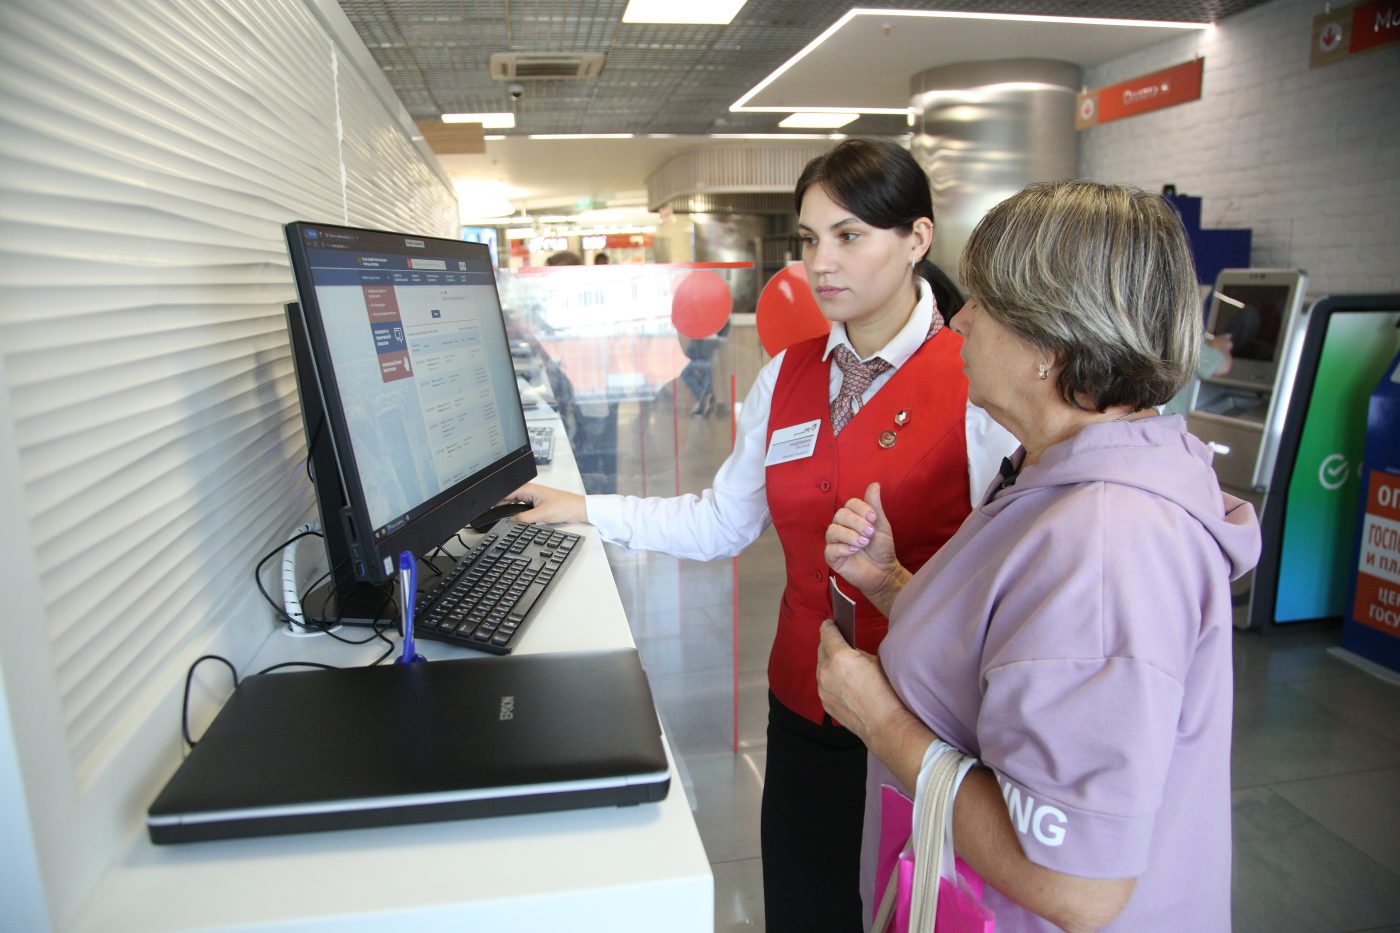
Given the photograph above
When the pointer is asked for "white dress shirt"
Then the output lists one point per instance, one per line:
(733, 512)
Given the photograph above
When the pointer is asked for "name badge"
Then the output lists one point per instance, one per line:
(794, 443)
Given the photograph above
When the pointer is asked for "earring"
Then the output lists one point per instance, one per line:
(1044, 371)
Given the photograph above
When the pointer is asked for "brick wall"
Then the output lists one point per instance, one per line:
(1309, 159)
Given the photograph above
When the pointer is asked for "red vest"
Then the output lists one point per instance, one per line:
(923, 487)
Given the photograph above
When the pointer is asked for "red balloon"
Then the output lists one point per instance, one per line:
(701, 304)
(788, 312)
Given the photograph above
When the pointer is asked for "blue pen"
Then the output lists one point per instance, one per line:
(408, 586)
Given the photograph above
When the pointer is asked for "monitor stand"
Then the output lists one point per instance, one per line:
(365, 604)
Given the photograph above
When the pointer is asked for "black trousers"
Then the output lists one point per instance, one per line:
(813, 808)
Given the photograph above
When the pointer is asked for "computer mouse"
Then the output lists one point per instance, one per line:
(487, 519)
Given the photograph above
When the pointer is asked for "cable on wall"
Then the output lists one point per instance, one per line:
(291, 601)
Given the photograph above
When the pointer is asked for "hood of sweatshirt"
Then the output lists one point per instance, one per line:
(1153, 454)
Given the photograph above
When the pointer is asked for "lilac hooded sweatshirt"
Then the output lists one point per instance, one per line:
(1075, 635)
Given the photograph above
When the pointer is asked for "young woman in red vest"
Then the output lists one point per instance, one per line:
(882, 398)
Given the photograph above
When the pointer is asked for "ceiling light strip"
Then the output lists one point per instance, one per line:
(894, 111)
(740, 104)
(779, 135)
(807, 50)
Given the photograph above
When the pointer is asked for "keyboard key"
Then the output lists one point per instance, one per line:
(485, 599)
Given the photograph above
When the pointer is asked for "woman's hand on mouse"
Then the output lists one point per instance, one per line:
(549, 506)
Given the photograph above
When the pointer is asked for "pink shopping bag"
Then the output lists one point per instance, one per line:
(960, 908)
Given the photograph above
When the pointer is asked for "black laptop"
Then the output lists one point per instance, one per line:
(378, 746)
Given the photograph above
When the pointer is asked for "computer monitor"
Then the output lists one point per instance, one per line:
(409, 400)
(1254, 306)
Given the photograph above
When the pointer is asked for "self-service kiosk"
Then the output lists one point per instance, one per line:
(1241, 413)
(1335, 466)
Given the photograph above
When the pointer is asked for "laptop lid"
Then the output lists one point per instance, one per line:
(356, 747)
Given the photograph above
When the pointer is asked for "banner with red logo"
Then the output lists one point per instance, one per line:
(1378, 574)
(1357, 27)
(1167, 88)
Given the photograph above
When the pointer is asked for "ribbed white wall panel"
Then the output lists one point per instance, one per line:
(149, 152)
(387, 183)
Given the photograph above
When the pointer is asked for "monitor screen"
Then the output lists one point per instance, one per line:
(1257, 309)
(407, 343)
(1253, 316)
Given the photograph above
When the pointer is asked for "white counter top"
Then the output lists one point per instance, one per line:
(604, 869)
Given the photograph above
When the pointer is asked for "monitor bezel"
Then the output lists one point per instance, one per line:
(449, 511)
(1260, 374)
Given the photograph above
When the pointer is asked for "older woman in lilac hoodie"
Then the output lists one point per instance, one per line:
(1075, 634)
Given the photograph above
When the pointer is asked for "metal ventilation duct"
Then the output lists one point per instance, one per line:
(711, 173)
(776, 203)
(985, 130)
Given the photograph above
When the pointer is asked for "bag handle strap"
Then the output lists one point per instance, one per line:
(885, 914)
(940, 775)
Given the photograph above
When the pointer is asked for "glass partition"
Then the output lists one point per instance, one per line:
(641, 365)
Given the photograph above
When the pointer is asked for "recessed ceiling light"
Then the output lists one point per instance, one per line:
(490, 121)
(707, 13)
(580, 136)
(819, 121)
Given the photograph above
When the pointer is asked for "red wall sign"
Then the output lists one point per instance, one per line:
(629, 240)
(1374, 24)
(1167, 88)
(1359, 27)
(1378, 575)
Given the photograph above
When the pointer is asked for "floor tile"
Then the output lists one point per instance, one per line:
(1282, 735)
(739, 896)
(1362, 808)
(1358, 696)
(1286, 655)
(1293, 876)
(728, 794)
(698, 711)
(702, 644)
(659, 587)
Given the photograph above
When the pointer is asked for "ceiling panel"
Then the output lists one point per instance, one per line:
(658, 78)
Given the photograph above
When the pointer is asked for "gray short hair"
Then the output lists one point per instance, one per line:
(1099, 275)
